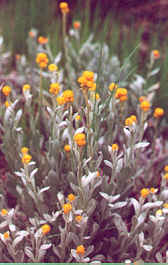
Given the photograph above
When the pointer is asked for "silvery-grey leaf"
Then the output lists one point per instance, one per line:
(147, 247)
(33, 173)
(141, 238)
(18, 116)
(89, 250)
(150, 205)
(80, 130)
(17, 240)
(127, 132)
(60, 197)
(12, 227)
(62, 124)
(28, 252)
(154, 72)
(43, 189)
(119, 223)
(85, 180)
(58, 58)
(56, 251)
(136, 205)
(110, 198)
(108, 163)
(86, 161)
(141, 145)
(117, 205)
(159, 257)
(3, 224)
(45, 246)
(119, 165)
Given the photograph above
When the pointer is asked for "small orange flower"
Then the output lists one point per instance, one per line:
(26, 158)
(142, 98)
(77, 118)
(145, 105)
(165, 176)
(45, 229)
(78, 218)
(121, 94)
(153, 190)
(68, 96)
(6, 235)
(67, 148)
(60, 100)
(6, 90)
(166, 168)
(67, 207)
(42, 60)
(165, 205)
(42, 40)
(7, 103)
(113, 86)
(80, 250)
(130, 120)
(76, 24)
(52, 67)
(158, 112)
(80, 139)
(17, 56)
(64, 7)
(24, 150)
(4, 212)
(144, 192)
(159, 212)
(54, 88)
(156, 54)
(115, 147)
(71, 197)
(26, 87)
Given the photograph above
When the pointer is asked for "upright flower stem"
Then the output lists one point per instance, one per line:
(41, 90)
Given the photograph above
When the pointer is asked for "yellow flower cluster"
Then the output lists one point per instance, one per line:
(80, 250)
(45, 229)
(67, 148)
(4, 212)
(115, 147)
(6, 235)
(86, 81)
(71, 197)
(146, 191)
(26, 87)
(158, 112)
(121, 94)
(78, 218)
(54, 88)
(7, 103)
(42, 40)
(80, 139)
(145, 105)
(52, 67)
(130, 120)
(76, 24)
(68, 96)
(6, 90)
(42, 60)
(64, 7)
(67, 208)
(156, 54)
(113, 86)
(166, 168)
(26, 158)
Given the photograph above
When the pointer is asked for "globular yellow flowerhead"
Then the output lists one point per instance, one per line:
(115, 147)
(26, 87)
(76, 24)
(7, 103)
(64, 7)
(121, 94)
(77, 118)
(153, 190)
(165, 176)
(6, 235)
(26, 158)
(95, 96)
(71, 197)
(67, 208)
(6, 90)
(60, 100)
(67, 148)
(144, 192)
(159, 212)
(80, 139)
(24, 150)
(45, 229)
(165, 205)
(130, 120)
(113, 86)
(42, 40)
(156, 54)
(78, 218)
(166, 168)
(86, 81)
(42, 60)
(80, 250)
(4, 212)
(145, 105)
(52, 67)
(54, 88)
(158, 112)
(68, 96)
(142, 98)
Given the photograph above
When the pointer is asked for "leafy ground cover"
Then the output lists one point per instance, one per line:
(85, 154)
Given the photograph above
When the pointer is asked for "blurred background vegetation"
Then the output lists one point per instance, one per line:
(122, 24)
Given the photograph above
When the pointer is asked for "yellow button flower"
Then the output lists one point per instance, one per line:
(76, 24)
(130, 120)
(60, 100)
(42, 40)
(165, 176)
(24, 150)
(26, 87)
(166, 168)
(80, 139)
(64, 7)
(77, 118)
(80, 250)
(45, 229)
(6, 235)
(156, 54)
(71, 197)
(26, 158)
(113, 86)
(158, 112)
(7, 103)
(145, 105)
(115, 147)
(6, 90)
(42, 60)
(165, 205)
(78, 218)
(67, 207)
(121, 94)
(144, 192)
(68, 96)
(52, 67)
(4, 212)
(54, 88)
(67, 148)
